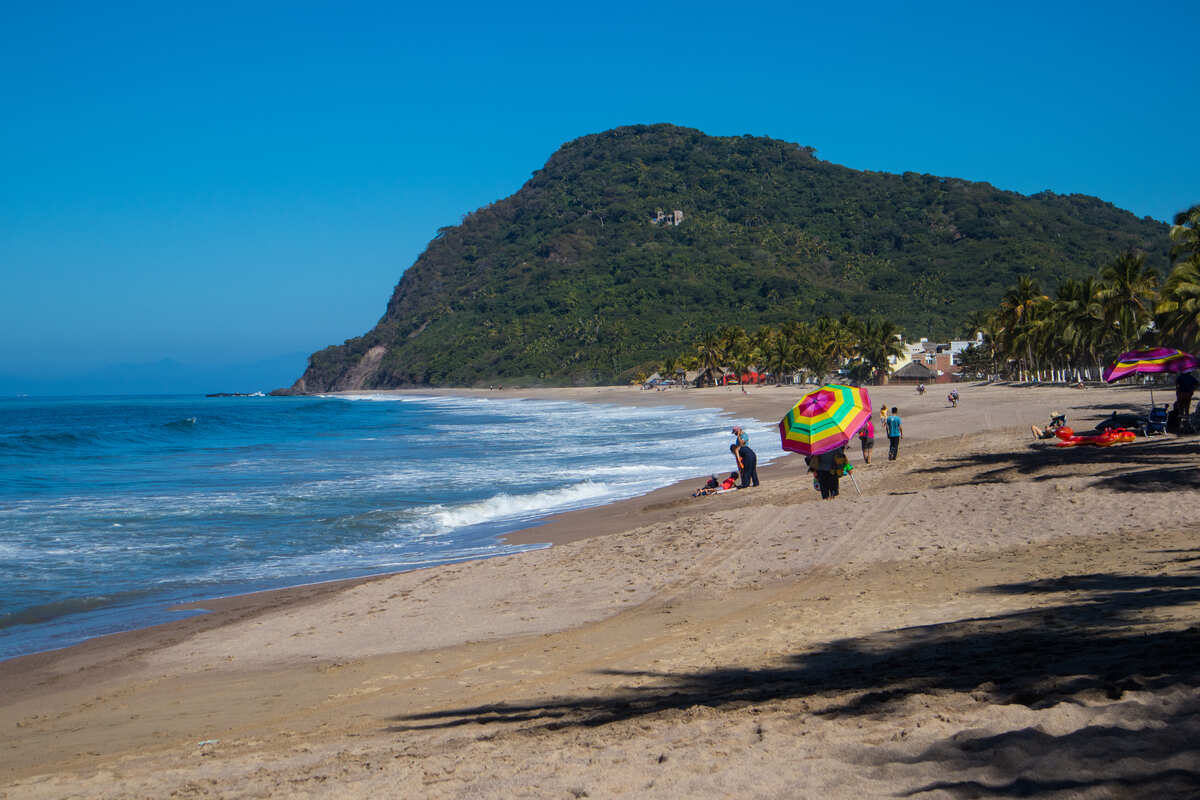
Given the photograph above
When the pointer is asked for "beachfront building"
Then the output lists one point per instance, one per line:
(914, 372)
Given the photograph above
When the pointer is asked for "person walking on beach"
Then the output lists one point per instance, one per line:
(894, 432)
(866, 437)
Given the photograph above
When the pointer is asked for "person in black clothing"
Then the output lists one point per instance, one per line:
(747, 463)
(828, 467)
(1185, 387)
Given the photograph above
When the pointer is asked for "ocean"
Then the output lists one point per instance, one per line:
(114, 509)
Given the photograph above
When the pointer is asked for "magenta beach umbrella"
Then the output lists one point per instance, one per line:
(1156, 359)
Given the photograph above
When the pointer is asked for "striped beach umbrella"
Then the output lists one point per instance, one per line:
(825, 419)
(1156, 359)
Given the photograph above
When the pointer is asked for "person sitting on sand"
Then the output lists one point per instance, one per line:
(730, 482)
(710, 487)
(1057, 420)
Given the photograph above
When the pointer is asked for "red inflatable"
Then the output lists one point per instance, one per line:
(1105, 438)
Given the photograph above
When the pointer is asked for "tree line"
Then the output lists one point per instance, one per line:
(861, 346)
(1069, 336)
(1089, 322)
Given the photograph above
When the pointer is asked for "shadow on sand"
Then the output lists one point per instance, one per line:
(1107, 635)
(1158, 464)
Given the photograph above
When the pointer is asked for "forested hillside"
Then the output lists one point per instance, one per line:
(570, 280)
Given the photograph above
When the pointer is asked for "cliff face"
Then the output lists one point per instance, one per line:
(587, 272)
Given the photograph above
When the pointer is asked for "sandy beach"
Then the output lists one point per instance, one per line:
(990, 617)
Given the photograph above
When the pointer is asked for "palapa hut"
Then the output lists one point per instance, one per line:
(914, 373)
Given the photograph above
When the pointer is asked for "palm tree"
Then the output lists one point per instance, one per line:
(810, 352)
(669, 365)
(1080, 322)
(838, 339)
(1185, 234)
(779, 354)
(878, 342)
(710, 352)
(1127, 298)
(1178, 309)
(1013, 320)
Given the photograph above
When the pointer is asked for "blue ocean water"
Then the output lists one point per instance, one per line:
(112, 509)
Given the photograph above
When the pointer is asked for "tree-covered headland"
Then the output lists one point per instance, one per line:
(577, 278)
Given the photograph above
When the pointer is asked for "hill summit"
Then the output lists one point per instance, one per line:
(629, 244)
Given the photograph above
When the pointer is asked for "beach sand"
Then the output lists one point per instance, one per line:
(991, 617)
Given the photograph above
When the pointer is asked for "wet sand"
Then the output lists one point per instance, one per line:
(992, 617)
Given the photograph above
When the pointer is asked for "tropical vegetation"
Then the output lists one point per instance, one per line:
(1087, 322)
(862, 349)
(576, 278)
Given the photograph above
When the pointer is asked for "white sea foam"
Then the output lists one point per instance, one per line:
(516, 507)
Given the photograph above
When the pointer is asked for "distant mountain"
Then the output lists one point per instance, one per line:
(587, 271)
(166, 376)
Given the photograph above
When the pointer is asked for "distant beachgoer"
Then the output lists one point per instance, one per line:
(1185, 387)
(747, 462)
(866, 437)
(894, 433)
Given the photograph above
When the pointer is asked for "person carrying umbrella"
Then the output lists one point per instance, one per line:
(829, 466)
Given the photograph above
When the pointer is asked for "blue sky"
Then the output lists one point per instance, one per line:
(230, 183)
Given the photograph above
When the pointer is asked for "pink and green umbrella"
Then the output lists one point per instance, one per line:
(825, 419)
(1156, 359)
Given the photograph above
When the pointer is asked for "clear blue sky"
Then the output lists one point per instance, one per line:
(232, 182)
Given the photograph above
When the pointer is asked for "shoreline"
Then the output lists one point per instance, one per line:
(646, 604)
(759, 403)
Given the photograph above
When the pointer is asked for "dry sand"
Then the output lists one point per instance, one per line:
(990, 618)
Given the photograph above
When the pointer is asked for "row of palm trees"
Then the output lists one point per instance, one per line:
(816, 349)
(1088, 322)
(1069, 336)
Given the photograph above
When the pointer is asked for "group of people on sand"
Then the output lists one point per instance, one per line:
(827, 467)
(892, 427)
(746, 472)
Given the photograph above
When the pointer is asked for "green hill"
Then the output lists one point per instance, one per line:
(569, 280)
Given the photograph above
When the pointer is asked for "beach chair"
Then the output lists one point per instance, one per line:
(1156, 422)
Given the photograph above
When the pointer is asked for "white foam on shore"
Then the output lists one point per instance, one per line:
(507, 507)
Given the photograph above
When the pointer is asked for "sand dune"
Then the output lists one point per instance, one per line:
(990, 618)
